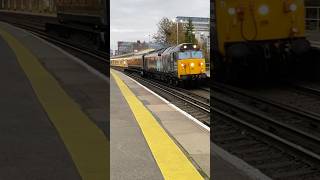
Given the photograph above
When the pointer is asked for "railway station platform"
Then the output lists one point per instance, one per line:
(208, 73)
(53, 120)
(313, 36)
(136, 148)
(226, 166)
(151, 138)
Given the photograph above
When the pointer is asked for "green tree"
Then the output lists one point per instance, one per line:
(190, 33)
(167, 32)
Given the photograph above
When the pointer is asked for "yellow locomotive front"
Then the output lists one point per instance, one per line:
(259, 20)
(258, 35)
(191, 63)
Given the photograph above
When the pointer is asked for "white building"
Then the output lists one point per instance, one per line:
(111, 52)
(201, 26)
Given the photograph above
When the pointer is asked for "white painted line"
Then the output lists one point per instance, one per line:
(77, 60)
(175, 107)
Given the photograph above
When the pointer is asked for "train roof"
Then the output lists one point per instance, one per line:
(165, 50)
(133, 54)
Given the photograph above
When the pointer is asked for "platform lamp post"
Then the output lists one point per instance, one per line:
(177, 22)
(202, 39)
(149, 37)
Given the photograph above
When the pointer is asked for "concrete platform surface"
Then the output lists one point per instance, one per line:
(226, 166)
(192, 139)
(53, 116)
(313, 36)
(189, 136)
(81, 82)
(27, 137)
(130, 157)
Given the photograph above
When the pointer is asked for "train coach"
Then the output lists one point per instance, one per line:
(120, 63)
(81, 18)
(130, 61)
(44, 7)
(176, 65)
(255, 38)
(89, 17)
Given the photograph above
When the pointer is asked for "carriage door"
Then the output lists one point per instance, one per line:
(171, 62)
(175, 61)
(144, 63)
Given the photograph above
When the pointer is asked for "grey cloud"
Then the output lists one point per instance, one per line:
(133, 20)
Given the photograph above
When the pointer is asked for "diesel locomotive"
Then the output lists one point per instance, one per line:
(175, 65)
(256, 38)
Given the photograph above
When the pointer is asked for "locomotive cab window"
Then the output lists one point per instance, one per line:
(197, 54)
(190, 54)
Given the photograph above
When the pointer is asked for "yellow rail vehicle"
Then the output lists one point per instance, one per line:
(192, 66)
(176, 64)
(258, 35)
(119, 63)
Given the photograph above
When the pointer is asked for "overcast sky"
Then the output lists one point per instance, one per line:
(133, 20)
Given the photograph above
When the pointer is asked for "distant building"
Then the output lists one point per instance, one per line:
(129, 47)
(125, 47)
(312, 15)
(153, 45)
(111, 52)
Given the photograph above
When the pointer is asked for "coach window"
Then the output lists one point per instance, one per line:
(184, 55)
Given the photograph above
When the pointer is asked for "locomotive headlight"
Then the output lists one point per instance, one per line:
(192, 64)
(194, 46)
(201, 64)
(185, 46)
(293, 7)
(182, 65)
(295, 30)
(232, 11)
(264, 9)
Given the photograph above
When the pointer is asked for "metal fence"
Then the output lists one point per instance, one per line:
(312, 18)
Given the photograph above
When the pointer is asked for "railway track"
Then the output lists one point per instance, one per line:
(285, 146)
(315, 44)
(192, 103)
(305, 88)
(95, 58)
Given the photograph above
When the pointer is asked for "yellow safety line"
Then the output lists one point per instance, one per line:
(170, 159)
(88, 146)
